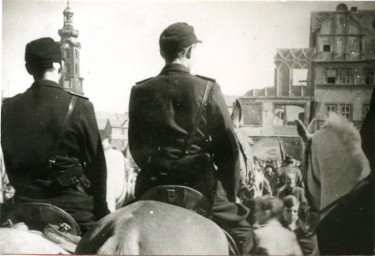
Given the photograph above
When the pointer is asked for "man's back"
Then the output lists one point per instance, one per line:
(31, 123)
(168, 105)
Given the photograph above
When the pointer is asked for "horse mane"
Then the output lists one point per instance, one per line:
(345, 130)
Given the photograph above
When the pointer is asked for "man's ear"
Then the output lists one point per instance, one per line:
(188, 52)
(29, 69)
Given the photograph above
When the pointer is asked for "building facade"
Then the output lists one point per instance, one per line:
(70, 47)
(344, 63)
(335, 74)
(114, 127)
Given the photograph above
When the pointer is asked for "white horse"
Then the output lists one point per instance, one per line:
(252, 179)
(120, 186)
(336, 170)
(14, 241)
(154, 228)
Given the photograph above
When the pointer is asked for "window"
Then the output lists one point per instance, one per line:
(252, 114)
(354, 47)
(366, 108)
(346, 76)
(346, 110)
(331, 108)
(331, 76)
(300, 77)
(326, 48)
(369, 76)
(286, 114)
(76, 68)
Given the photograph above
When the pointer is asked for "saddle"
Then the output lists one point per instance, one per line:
(50, 221)
(189, 199)
(182, 196)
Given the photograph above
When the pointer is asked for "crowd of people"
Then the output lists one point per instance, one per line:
(279, 217)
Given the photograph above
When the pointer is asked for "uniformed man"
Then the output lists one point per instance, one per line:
(31, 125)
(162, 112)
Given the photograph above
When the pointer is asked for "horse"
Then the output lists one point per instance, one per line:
(253, 183)
(337, 187)
(119, 178)
(16, 241)
(154, 228)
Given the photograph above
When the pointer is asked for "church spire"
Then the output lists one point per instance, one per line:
(71, 79)
(68, 30)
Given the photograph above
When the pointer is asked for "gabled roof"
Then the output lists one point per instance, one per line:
(117, 123)
(230, 99)
(101, 123)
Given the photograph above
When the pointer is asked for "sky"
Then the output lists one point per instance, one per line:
(119, 40)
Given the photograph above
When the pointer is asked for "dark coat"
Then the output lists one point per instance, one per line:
(162, 111)
(31, 123)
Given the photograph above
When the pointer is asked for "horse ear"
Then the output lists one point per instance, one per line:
(302, 131)
(311, 126)
(237, 113)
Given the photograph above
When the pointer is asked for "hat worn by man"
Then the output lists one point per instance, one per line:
(42, 53)
(288, 160)
(177, 36)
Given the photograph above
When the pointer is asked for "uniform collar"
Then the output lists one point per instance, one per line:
(174, 68)
(47, 83)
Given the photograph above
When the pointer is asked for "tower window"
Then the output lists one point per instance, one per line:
(326, 48)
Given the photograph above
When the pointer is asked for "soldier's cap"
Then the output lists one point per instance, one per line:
(43, 52)
(177, 36)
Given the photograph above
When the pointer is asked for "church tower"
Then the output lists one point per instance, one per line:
(70, 80)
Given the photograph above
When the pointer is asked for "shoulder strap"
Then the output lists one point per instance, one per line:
(198, 117)
(72, 104)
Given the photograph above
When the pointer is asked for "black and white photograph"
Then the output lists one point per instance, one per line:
(187, 127)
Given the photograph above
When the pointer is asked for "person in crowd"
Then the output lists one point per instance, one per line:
(51, 143)
(290, 188)
(288, 167)
(270, 237)
(168, 144)
(270, 175)
(305, 237)
(290, 212)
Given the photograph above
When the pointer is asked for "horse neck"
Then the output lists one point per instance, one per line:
(338, 168)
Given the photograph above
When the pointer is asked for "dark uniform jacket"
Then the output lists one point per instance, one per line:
(30, 125)
(162, 111)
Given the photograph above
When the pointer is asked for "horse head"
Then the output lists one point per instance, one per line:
(333, 161)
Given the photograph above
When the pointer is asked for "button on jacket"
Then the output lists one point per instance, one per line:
(30, 125)
(162, 111)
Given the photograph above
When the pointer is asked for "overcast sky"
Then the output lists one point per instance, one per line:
(119, 40)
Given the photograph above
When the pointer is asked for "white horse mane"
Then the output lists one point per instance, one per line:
(344, 129)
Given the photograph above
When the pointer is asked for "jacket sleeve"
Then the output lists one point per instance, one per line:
(224, 143)
(93, 154)
(135, 127)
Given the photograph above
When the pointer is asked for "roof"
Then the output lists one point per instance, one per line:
(111, 115)
(101, 123)
(117, 123)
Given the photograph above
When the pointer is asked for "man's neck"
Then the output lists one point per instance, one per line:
(183, 62)
(51, 76)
